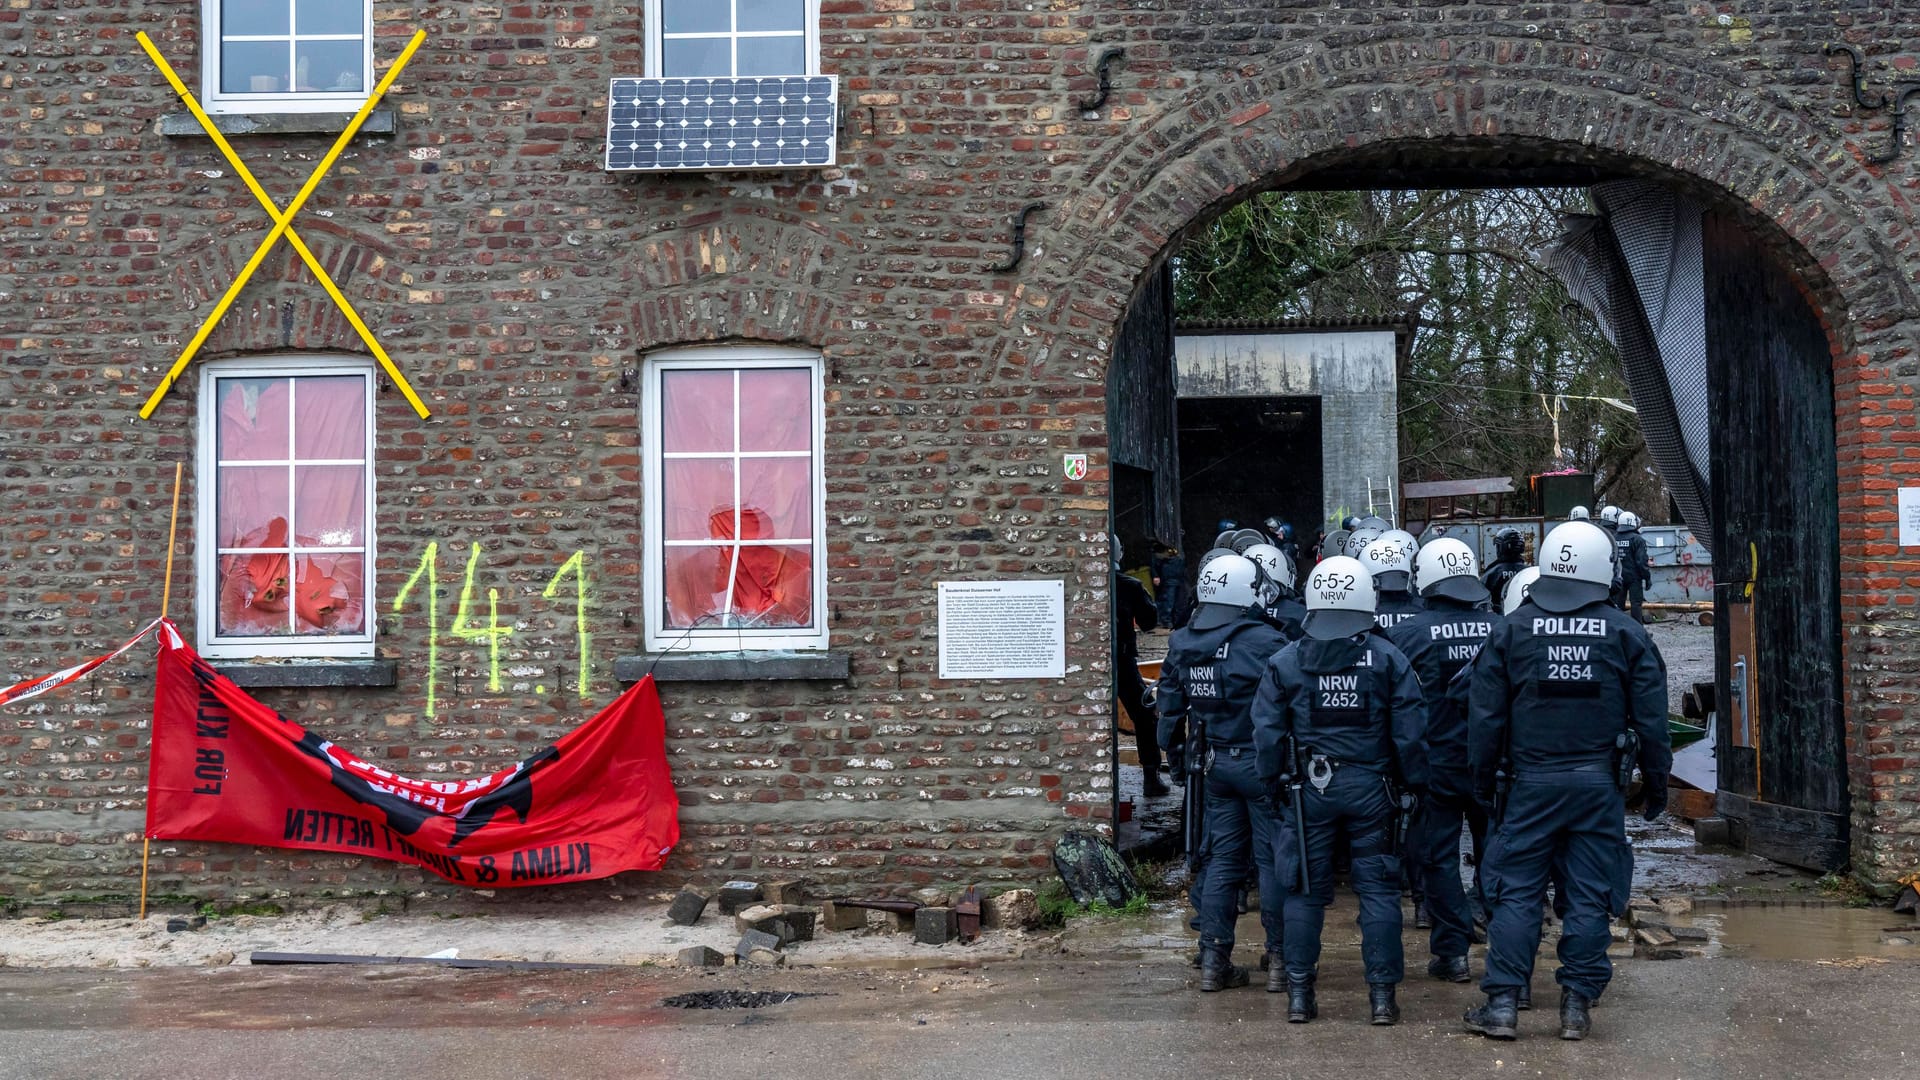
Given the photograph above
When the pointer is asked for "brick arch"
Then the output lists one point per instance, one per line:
(1799, 183)
(765, 276)
(282, 306)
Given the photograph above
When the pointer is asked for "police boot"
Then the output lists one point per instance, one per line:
(1574, 1021)
(1276, 972)
(1499, 1018)
(1301, 1007)
(1223, 977)
(1386, 1011)
(1450, 968)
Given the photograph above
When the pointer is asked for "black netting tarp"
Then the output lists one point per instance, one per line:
(1637, 266)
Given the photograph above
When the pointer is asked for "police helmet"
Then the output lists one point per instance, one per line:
(1519, 586)
(1576, 567)
(1389, 566)
(1211, 555)
(1610, 514)
(1276, 570)
(1334, 543)
(1509, 544)
(1404, 538)
(1243, 539)
(1579, 513)
(1446, 567)
(1349, 523)
(1629, 519)
(1357, 541)
(1225, 539)
(1228, 587)
(1340, 599)
(1380, 523)
(1227, 525)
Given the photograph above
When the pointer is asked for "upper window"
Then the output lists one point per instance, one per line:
(703, 38)
(285, 552)
(735, 505)
(287, 55)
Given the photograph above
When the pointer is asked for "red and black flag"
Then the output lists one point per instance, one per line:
(227, 768)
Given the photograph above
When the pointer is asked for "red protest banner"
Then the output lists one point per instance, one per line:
(229, 769)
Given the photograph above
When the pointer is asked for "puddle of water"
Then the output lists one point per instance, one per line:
(732, 999)
(1807, 933)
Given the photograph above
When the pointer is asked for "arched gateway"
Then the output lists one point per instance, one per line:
(1801, 333)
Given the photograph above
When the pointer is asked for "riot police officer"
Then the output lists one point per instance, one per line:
(1635, 565)
(1358, 539)
(1276, 606)
(1609, 521)
(1568, 696)
(1207, 682)
(1339, 723)
(1439, 642)
(1510, 557)
(1391, 567)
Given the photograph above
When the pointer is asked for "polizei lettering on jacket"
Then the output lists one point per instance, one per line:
(1568, 626)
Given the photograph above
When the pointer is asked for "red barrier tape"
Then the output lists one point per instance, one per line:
(31, 688)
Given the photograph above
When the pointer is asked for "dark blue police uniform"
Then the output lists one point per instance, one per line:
(1352, 706)
(1439, 642)
(1551, 693)
(1207, 682)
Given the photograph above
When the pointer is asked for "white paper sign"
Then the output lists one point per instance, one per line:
(1003, 630)
(1909, 517)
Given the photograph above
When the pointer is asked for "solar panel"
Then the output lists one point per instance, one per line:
(750, 122)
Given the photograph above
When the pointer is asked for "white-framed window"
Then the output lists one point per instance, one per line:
(702, 38)
(284, 522)
(735, 555)
(286, 55)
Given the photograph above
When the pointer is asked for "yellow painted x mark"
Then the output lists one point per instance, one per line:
(282, 225)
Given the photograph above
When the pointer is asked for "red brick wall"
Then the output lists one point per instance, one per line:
(516, 283)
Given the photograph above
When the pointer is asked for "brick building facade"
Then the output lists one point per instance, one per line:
(526, 292)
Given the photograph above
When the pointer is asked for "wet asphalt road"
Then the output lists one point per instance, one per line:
(1113, 1017)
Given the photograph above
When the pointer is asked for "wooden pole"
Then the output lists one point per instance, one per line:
(166, 603)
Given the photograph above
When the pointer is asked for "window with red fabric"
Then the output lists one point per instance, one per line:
(286, 481)
(737, 500)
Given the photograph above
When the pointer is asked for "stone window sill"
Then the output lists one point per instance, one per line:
(183, 125)
(734, 666)
(310, 673)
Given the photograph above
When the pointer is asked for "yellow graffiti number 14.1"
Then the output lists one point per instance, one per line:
(493, 633)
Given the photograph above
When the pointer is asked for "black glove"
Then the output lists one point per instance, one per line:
(1656, 798)
(1177, 759)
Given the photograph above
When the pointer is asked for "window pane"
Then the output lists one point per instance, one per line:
(776, 409)
(687, 58)
(332, 422)
(328, 16)
(253, 419)
(253, 67)
(697, 500)
(696, 412)
(696, 582)
(239, 17)
(772, 15)
(773, 587)
(328, 592)
(254, 595)
(328, 67)
(776, 498)
(694, 16)
(252, 507)
(331, 505)
(773, 56)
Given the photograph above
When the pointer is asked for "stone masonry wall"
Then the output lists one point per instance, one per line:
(518, 285)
